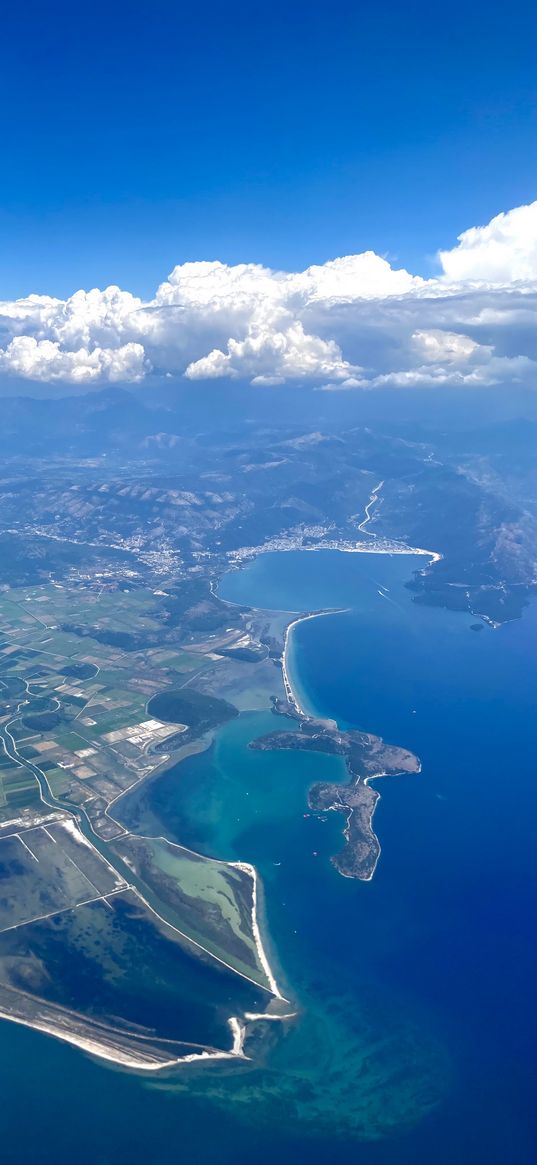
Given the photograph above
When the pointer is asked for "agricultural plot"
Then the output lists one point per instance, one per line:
(18, 788)
(77, 707)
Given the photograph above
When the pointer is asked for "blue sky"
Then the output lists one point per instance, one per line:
(138, 136)
(325, 194)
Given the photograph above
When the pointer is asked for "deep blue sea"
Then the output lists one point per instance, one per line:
(416, 1036)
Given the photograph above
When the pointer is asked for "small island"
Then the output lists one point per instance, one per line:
(367, 757)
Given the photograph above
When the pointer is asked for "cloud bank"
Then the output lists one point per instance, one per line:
(353, 322)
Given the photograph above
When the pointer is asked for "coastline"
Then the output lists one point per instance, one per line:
(137, 1053)
(378, 797)
(293, 700)
(378, 545)
(122, 1050)
(290, 692)
(75, 1029)
(247, 868)
(80, 1031)
(237, 558)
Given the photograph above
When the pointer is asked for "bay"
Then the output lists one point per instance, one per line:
(415, 1039)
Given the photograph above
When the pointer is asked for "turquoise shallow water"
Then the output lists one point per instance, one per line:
(416, 1038)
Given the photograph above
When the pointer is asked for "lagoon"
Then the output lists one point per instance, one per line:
(416, 991)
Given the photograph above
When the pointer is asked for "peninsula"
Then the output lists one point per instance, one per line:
(367, 758)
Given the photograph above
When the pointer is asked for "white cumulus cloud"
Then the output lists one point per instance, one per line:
(503, 251)
(271, 357)
(442, 347)
(352, 322)
(45, 360)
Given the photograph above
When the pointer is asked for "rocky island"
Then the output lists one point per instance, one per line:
(367, 758)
